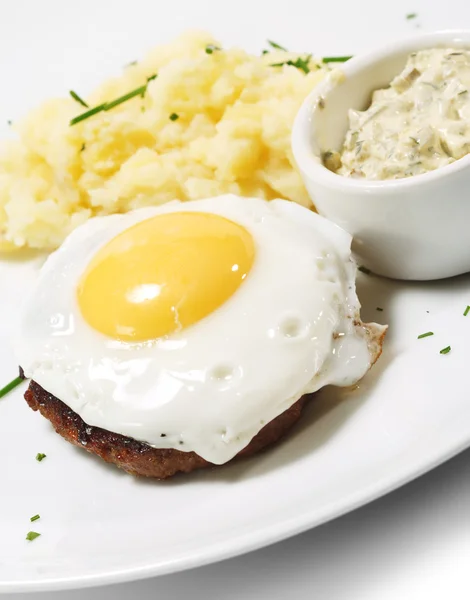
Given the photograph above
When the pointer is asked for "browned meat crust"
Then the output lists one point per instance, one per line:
(136, 457)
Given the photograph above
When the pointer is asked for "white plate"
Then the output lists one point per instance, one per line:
(413, 412)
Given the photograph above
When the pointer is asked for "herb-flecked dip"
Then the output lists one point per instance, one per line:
(419, 123)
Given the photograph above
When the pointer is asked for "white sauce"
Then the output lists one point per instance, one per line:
(418, 124)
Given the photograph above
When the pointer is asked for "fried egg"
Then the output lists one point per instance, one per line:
(192, 325)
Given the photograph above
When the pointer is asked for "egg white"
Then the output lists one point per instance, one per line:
(289, 329)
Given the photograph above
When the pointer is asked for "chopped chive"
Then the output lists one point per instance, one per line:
(87, 114)
(210, 48)
(109, 105)
(264, 51)
(32, 535)
(445, 350)
(302, 63)
(334, 59)
(125, 98)
(9, 122)
(76, 97)
(35, 518)
(363, 269)
(40, 456)
(10, 386)
(379, 309)
(410, 16)
(424, 335)
(467, 310)
(462, 93)
(131, 64)
(174, 117)
(83, 147)
(299, 63)
(276, 46)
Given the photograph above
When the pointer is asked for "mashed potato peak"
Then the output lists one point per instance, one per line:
(231, 134)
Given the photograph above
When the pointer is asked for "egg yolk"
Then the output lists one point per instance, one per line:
(164, 274)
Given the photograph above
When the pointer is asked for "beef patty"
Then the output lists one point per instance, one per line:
(139, 458)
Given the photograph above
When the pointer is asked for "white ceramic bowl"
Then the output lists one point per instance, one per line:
(413, 228)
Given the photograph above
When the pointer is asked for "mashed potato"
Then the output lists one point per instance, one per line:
(229, 131)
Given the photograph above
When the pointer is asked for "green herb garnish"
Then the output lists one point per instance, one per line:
(276, 46)
(10, 386)
(35, 518)
(137, 92)
(210, 48)
(264, 51)
(83, 147)
(140, 91)
(299, 63)
(466, 311)
(87, 114)
(424, 335)
(302, 63)
(32, 535)
(410, 16)
(445, 350)
(335, 59)
(9, 122)
(40, 456)
(76, 97)
(174, 117)
(363, 269)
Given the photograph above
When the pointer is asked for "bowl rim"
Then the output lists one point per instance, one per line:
(309, 162)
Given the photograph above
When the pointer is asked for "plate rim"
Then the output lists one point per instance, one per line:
(237, 546)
